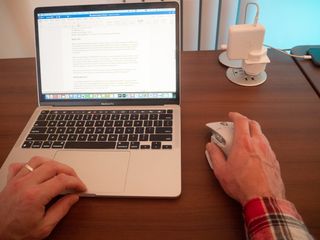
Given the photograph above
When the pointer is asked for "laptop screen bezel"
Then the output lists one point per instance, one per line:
(108, 102)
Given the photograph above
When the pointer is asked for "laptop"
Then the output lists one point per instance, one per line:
(108, 82)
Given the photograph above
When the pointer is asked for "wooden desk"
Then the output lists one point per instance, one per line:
(311, 72)
(285, 105)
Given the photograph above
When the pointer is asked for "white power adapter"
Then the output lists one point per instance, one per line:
(244, 38)
(246, 42)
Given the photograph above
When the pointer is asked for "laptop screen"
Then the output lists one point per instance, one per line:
(114, 54)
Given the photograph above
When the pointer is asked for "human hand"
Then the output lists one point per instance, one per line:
(23, 213)
(251, 169)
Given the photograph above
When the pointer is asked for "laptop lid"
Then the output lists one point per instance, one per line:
(113, 54)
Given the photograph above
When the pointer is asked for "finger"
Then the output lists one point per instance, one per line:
(255, 129)
(241, 125)
(59, 184)
(34, 163)
(57, 211)
(13, 170)
(50, 169)
(217, 157)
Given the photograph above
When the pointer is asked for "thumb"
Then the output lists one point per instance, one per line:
(217, 157)
(57, 211)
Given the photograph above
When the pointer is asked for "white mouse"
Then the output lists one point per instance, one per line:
(222, 135)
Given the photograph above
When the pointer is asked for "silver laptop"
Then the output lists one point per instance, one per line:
(109, 93)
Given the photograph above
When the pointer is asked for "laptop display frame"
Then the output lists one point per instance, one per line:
(43, 101)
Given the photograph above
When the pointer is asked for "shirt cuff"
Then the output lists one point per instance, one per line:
(270, 218)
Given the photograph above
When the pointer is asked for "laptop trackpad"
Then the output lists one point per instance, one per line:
(104, 173)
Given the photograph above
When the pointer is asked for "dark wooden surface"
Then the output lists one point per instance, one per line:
(310, 70)
(286, 106)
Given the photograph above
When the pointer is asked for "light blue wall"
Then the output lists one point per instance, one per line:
(290, 23)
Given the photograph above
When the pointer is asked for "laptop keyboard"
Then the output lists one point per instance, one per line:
(102, 129)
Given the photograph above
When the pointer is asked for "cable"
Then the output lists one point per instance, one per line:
(256, 18)
(291, 55)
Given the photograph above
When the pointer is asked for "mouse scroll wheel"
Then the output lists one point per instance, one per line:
(219, 138)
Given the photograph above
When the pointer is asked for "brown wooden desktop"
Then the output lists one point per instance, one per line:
(285, 105)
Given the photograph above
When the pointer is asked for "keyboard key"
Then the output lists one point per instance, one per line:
(99, 124)
(129, 130)
(62, 137)
(61, 130)
(102, 137)
(138, 123)
(51, 130)
(115, 117)
(108, 123)
(144, 117)
(87, 117)
(99, 130)
(96, 117)
(92, 137)
(109, 130)
(82, 137)
(42, 117)
(37, 144)
(119, 130)
(70, 130)
(53, 137)
(145, 146)
(123, 138)
(164, 130)
(134, 145)
(80, 123)
(47, 144)
(90, 145)
(166, 146)
(37, 137)
(167, 123)
(147, 123)
(134, 117)
(133, 137)
(57, 144)
(128, 123)
(123, 145)
(149, 129)
(80, 130)
(139, 130)
(118, 123)
(38, 130)
(72, 137)
(167, 116)
(40, 124)
(157, 123)
(71, 123)
(89, 130)
(113, 137)
(124, 117)
(160, 137)
(52, 123)
(27, 144)
(89, 123)
(153, 117)
(143, 137)
(156, 145)
(61, 123)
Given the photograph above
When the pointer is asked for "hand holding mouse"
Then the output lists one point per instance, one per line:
(251, 168)
(30, 187)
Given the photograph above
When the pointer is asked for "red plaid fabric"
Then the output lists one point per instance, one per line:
(270, 218)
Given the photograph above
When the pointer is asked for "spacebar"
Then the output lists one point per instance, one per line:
(91, 145)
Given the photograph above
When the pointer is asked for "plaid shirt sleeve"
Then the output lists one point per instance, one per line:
(270, 218)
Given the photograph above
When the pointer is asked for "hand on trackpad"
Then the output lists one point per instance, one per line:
(103, 173)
